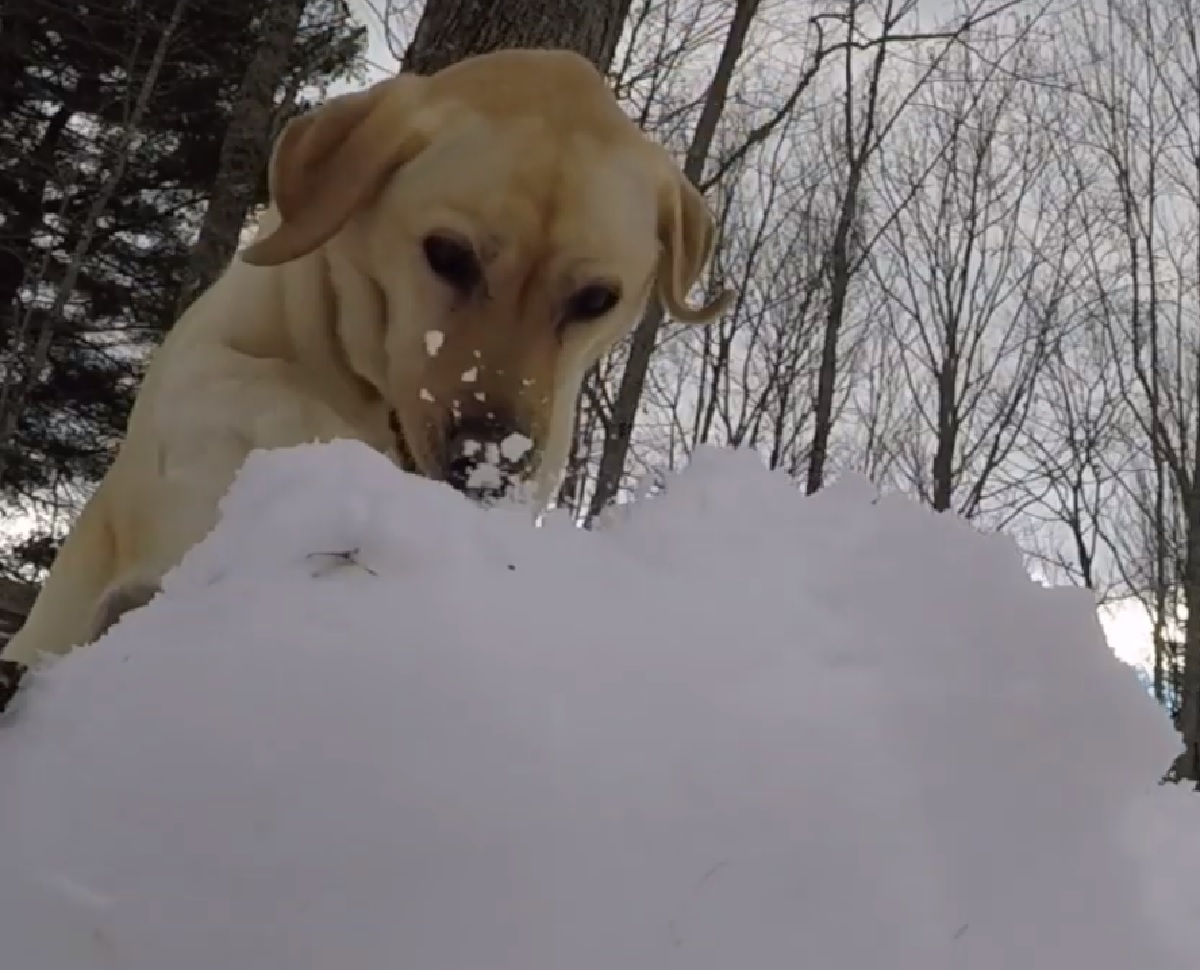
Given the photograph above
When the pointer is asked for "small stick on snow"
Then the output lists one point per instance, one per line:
(347, 558)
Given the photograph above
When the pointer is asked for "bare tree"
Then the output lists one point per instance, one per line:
(709, 160)
(1077, 464)
(1138, 77)
(864, 129)
(746, 380)
(975, 267)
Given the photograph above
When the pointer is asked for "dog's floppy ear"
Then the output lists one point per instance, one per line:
(687, 233)
(329, 161)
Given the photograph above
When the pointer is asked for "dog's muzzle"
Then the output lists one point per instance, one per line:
(486, 456)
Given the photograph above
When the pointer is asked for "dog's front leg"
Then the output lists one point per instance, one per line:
(239, 402)
(276, 408)
(238, 406)
(291, 419)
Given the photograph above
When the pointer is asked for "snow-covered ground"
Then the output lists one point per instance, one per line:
(736, 728)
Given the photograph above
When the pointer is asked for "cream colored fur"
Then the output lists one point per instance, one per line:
(318, 329)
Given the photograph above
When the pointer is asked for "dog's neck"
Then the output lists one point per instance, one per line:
(325, 319)
(357, 307)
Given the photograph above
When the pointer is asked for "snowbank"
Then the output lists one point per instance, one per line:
(737, 728)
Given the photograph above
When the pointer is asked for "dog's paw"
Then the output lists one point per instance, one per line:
(11, 675)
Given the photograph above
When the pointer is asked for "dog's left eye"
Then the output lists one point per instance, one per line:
(453, 260)
(592, 301)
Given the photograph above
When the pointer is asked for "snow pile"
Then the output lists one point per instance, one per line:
(370, 725)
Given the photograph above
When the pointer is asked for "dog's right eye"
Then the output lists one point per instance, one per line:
(593, 301)
(453, 260)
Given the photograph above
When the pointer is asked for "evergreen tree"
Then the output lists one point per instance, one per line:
(70, 76)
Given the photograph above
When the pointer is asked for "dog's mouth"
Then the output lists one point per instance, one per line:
(485, 458)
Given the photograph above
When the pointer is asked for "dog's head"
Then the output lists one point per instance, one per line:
(513, 224)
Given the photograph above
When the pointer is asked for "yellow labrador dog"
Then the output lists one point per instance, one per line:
(444, 258)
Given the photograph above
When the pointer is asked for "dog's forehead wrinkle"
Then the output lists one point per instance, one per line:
(575, 199)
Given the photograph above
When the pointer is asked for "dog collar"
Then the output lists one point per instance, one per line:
(406, 460)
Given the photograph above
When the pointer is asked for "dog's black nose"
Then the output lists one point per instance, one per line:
(486, 455)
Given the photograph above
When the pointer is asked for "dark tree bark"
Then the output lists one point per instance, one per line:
(1187, 764)
(244, 151)
(451, 30)
(859, 147)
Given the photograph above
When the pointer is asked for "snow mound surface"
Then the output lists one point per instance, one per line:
(736, 728)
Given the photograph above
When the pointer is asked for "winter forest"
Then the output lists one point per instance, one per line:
(964, 235)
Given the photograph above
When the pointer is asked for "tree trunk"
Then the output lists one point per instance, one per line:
(633, 380)
(1187, 765)
(858, 150)
(244, 151)
(451, 30)
(947, 423)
